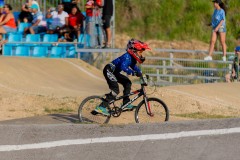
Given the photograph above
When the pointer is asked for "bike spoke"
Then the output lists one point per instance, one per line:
(157, 112)
(87, 113)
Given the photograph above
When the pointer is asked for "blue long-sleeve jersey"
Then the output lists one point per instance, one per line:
(126, 63)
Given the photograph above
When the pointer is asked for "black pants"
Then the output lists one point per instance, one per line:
(113, 78)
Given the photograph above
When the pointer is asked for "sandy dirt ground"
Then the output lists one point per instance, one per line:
(32, 87)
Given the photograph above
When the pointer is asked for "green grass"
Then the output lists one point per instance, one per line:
(202, 115)
(174, 19)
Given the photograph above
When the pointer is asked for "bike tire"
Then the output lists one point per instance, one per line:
(87, 107)
(158, 108)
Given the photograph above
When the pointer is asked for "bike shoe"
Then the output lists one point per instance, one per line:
(130, 107)
(102, 110)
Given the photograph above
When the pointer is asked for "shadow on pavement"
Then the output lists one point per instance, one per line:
(46, 119)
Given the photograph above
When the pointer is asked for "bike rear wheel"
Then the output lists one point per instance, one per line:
(159, 111)
(86, 111)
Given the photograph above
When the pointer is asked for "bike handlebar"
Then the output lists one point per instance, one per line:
(144, 79)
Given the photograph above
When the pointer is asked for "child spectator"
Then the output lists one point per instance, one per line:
(38, 25)
(7, 21)
(67, 35)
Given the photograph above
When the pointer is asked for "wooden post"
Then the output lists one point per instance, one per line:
(158, 76)
(164, 69)
(171, 64)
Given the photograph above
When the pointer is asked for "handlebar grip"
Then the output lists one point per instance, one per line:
(147, 76)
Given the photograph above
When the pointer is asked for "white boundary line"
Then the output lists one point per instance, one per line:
(83, 70)
(166, 136)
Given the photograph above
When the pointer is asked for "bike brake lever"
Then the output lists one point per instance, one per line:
(147, 76)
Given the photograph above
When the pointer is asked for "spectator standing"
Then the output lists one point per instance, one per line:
(38, 24)
(59, 20)
(218, 28)
(7, 21)
(93, 22)
(106, 17)
(75, 20)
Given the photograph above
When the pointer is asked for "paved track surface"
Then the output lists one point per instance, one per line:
(182, 146)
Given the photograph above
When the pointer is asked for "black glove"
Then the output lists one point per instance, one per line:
(138, 74)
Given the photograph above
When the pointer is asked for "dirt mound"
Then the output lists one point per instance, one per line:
(30, 87)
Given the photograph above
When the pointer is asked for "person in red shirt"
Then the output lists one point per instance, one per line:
(75, 21)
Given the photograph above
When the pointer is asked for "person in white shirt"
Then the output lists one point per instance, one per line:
(59, 20)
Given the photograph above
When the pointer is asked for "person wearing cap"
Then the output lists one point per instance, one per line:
(7, 21)
(28, 4)
(38, 24)
(218, 28)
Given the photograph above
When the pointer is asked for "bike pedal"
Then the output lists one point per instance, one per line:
(94, 112)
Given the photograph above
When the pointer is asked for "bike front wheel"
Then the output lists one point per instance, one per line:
(157, 112)
(86, 111)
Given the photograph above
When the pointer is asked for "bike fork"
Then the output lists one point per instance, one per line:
(148, 107)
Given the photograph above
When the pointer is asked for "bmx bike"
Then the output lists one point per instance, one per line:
(149, 110)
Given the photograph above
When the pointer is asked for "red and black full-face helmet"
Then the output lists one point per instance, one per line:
(135, 45)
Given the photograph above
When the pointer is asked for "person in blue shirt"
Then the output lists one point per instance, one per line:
(112, 73)
(218, 28)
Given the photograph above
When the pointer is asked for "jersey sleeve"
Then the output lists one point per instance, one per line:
(125, 67)
(222, 15)
(136, 68)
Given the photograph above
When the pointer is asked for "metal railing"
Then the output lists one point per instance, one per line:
(171, 69)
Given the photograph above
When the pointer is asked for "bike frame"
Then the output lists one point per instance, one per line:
(139, 92)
